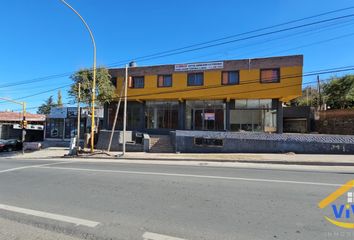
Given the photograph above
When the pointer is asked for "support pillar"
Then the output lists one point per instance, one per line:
(280, 117)
(227, 116)
(181, 115)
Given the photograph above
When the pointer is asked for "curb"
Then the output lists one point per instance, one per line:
(280, 162)
(315, 163)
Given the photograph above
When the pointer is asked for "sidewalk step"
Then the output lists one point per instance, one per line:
(161, 144)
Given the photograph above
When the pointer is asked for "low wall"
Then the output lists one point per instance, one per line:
(234, 142)
(104, 136)
(337, 121)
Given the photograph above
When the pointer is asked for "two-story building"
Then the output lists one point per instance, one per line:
(230, 95)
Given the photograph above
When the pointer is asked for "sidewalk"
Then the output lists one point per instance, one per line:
(300, 159)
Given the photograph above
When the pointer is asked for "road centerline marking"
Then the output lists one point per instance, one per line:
(30, 166)
(52, 216)
(156, 236)
(193, 175)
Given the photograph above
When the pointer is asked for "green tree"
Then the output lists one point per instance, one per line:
(105, 91)
(46, 106)
(309, 97)
(60, 99)
(339, 92)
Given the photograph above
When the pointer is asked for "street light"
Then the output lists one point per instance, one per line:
(94, 75)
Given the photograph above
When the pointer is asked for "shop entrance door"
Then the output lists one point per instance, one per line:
(208, 119)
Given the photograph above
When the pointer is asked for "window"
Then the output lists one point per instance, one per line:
(350, 197)
(270, 75)
(230, 78)
(195, 79)
(161, 114)
(256, 115)
(136, 82)
(114, 81)
(164, 81)
(253, 103)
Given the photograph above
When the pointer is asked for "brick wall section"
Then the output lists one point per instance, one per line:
(339, 121)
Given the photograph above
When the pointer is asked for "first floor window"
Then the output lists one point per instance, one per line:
(270, 75)
(164, 81)
(195, 79)
(230, 78)
(136, 82)
(114, 81)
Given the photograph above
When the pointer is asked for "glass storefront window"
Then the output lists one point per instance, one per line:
(253, 120)
(265, 103)
(253, 115)
(161, 114)
(253, 103)
(133, 116)
(240, 103)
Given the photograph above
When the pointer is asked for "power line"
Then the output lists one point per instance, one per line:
(234, 35)
(34, 80)
(249, 37)
(315, 43)
(319, 72)
(39, 93)
(178, 50)
(312, 31)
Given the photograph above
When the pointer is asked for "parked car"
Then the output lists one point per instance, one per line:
(10, 145)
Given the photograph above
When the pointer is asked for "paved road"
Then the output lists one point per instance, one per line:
(136, 201)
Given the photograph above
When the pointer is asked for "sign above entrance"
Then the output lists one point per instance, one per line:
(198, 66)
(209, 116)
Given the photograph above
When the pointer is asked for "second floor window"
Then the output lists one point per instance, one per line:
(114, 81)
(164, 81)
(195, 79)
(270, 75)
(136, 82)
(230, 78)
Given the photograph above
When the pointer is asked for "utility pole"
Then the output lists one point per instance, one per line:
(319, 92)
(307, 96)
(125, 107)
(115, 118)
(78, 117)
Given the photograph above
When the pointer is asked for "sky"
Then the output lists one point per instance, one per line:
(41, 38)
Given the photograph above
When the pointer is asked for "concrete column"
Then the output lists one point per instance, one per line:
(227, 117)
(280, 117)
(181, 115)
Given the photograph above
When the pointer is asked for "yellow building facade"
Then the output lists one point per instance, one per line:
(230, 95)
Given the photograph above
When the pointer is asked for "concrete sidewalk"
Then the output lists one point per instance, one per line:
(300, 159)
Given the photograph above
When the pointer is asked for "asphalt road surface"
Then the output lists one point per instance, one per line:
(86, 200)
